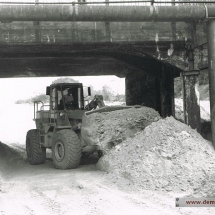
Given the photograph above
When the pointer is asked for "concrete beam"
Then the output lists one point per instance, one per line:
(105, 13)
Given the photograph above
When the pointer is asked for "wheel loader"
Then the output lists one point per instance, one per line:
(58, 126)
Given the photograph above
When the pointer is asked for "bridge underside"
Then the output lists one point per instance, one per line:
(120, 59)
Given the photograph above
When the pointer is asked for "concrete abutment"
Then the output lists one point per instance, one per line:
(151, 91)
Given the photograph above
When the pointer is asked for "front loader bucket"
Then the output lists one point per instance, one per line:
(110, 108)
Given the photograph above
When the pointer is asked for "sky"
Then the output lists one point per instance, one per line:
(13, 89)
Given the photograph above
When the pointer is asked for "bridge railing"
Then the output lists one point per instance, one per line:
(110, 2)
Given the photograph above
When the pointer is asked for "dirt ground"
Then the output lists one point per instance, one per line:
(123, 185)
(26, 189)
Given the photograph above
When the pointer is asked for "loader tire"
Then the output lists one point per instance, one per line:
(35, 152)
(66, 149)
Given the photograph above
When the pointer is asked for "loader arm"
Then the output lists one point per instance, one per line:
(96, 102)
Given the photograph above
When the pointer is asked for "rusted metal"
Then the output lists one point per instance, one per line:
(104, 13)
(192, 72)
(211, 64)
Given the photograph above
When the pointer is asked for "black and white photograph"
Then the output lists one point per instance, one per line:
(107, 107)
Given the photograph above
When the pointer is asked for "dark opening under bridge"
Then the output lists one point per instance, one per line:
(147, 43)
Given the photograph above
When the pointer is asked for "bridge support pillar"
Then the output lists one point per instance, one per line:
(140, 90)
(191, 99)
(191, 92)
(150, 91)
(211, 67)
(165, 94)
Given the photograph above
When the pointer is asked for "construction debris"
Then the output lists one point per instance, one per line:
(168, 156)
(109, 129)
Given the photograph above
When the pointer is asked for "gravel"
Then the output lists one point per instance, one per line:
(168, 156)
(109, 129)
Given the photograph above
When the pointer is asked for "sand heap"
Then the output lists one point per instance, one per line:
(168, 155)
(6, 154)
(109, 129)
(9, 159)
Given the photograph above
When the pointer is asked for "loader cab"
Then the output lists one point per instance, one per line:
(59, 94)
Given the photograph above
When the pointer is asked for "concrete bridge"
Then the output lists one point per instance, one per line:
(147, 44)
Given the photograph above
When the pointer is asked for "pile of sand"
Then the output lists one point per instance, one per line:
(168, 156)
(109, 129)
(9, 159)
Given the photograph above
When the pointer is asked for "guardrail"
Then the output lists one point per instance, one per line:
(111, 2)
